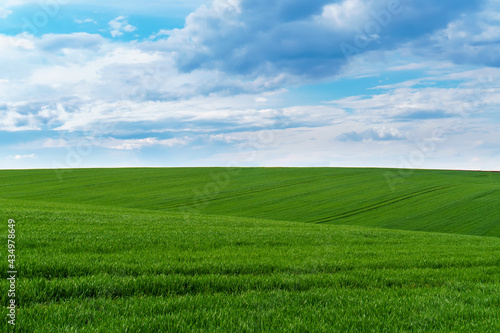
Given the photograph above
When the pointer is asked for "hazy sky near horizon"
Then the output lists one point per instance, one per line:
(361, 83)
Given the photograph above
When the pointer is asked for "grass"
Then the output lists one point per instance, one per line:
(98, 253)
(427, 200)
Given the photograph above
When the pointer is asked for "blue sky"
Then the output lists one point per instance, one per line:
(341, 83)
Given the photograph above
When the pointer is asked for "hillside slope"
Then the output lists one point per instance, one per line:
(104, 269)
(440, 201)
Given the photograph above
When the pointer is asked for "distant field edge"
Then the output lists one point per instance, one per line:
(443, 201)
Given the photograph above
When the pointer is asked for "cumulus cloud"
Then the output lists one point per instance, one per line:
(473, 38)
(345, 15)
(119, 26)
(228, 48)
(310, 39)
(219, 82)
(58, 67)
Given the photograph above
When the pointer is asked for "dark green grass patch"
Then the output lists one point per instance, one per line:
(422, 200)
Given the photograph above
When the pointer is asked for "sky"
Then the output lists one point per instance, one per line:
(318, 83)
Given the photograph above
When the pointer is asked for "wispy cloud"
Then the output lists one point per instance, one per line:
(4, 13)
(374, 134)
(22, 157)
(133, 144)
(88, 20)
(119, 26)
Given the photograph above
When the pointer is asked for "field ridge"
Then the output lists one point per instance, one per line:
(429, 200)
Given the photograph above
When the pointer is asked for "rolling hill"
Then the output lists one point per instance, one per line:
(252, 250)
(427, 200)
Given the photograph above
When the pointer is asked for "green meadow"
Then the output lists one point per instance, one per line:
(253, 250)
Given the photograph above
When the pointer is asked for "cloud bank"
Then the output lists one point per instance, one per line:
(311, 39)
(347, 82)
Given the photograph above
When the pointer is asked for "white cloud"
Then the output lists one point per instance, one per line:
(346, 15)
(223, 138)
(74, 41)
(22, 157)
(55, 143)
(88, 20)
(297, 40)
(13, 121)
(15, 43)
(120, 25)
(373, 134)
(80, 64)
(88, 66)
(161, 33)
(93, 71)
(4, 13)
(427, 65)
(77, 82)
(476, 94)
(138, 144)
(472, 38)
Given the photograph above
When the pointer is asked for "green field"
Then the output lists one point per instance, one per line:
(253, 250)
(436, 201)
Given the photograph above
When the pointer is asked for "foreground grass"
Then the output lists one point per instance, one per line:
(422, 200)
(440, 309)
(104, 269)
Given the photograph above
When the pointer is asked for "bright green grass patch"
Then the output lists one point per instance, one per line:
(440, 309)
(104, 269)
(439, 201)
